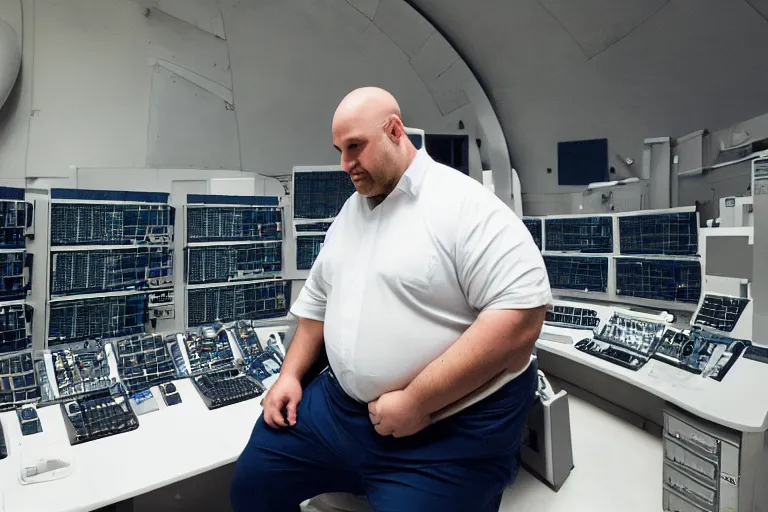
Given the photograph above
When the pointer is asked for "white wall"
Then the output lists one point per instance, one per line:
(625, 70)
(210, 85)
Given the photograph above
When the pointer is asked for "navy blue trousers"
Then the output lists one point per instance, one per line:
(462, 463)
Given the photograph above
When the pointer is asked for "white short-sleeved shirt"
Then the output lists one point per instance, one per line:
(397, 284)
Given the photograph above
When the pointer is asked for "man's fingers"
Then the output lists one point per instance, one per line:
(372, 407)
(291, 409)
(382, 430)
(374, 419)
(277, 418)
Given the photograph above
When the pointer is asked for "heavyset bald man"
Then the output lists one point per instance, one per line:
(427, 298)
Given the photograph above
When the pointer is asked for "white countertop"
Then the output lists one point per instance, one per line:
(178, 442)
(171, 444)
(739, 401)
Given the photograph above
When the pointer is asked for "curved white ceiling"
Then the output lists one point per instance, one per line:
(10, 60)
(622, 69)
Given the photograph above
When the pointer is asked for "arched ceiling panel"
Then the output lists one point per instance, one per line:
(507, 42)
(367, 7)
(761, 6)
(641, 68)
(403, 25)
(597, 24)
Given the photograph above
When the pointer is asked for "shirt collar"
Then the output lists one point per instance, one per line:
(411, 180)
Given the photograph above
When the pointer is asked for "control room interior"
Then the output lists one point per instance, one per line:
(140, 324)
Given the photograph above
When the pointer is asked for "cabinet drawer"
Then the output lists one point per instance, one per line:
(674, 503)
(690, 488)
(692, 437)
(705, 470)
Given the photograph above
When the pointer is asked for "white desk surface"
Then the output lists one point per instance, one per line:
(178, 442)
(171, 444)
(738, 401)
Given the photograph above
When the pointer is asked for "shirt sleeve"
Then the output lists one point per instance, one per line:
(498, 263)
(313, 297)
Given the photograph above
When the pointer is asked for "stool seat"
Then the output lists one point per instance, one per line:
(336, 502)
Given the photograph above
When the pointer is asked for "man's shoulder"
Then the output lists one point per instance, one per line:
(457, 191)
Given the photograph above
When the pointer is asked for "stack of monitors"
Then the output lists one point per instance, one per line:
(625, 340)
(574, 252)
(111, 252)
(18, 377)
(318, 196)
(652, 259)
(659, 257)
(234, 259)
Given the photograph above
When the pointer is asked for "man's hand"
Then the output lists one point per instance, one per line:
(285, 394)
(398, 414)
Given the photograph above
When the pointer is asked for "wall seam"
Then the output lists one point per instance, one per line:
(30, 78)
(654, 13)
(758, 11)
(565, 29)
(232, 77)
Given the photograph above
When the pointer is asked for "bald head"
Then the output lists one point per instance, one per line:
(367, 106)
(368, 131)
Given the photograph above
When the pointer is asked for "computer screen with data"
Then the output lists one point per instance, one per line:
(579, 234)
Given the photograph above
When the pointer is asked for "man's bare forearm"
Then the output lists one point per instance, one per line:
(304, 349)
(498, 341)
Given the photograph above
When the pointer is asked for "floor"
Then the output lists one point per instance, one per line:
(617, 468)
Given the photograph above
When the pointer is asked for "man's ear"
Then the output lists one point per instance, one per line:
(395, 130)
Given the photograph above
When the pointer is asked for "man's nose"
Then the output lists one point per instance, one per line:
(347, 162)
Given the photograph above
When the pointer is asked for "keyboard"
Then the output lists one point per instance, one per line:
(99, 416)
(570, 317)
(143, 361)
(755, 353)
(226, 387)
(611, 353)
